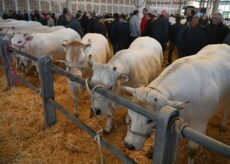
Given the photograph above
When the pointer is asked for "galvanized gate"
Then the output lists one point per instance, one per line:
(165, 140)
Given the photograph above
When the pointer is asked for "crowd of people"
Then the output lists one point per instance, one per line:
(122, 29)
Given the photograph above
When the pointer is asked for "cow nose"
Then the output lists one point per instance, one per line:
(129, 146)
(98, 111)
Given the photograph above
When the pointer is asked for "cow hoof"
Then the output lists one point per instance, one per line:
(222, 129)
(149, 153)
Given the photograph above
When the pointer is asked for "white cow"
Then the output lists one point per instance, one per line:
(7, 29)
(22, 61)
(8, 33)
(201, 80)
(48, 44)
(93, 48)
(20, 25)
(136, 66)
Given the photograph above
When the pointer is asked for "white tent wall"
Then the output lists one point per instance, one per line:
(101, 6)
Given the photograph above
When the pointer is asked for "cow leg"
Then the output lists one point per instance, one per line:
(192, 146)
(74, 88)
(109, 122)
(25, 63)
(17, 62)
(224, 122)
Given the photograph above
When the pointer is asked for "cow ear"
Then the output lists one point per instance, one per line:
(28, 37)
(179, 105)
(89, 44)
(90, 60)
(123, 78)
(65, 43)
(129, 90)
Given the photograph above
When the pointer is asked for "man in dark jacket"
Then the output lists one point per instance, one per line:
(62, 18)
(216, 31)
(74, 24)
(173, 37)
(99, 26)
(150, 17)
(25, 15)
(120, 33)
(161, 29)
(89, 23)
(192, 38)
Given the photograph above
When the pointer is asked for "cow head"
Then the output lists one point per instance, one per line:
(6, 33)
(19, 39)
(139, 126)
(109, 77)
(77, 57)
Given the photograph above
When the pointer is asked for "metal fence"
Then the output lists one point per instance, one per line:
(165, 140)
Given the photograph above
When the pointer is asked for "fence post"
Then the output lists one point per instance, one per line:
(6, 59)
(165, 141)
(47, 90)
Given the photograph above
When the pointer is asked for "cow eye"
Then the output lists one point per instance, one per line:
(19, 41)
(149, 121)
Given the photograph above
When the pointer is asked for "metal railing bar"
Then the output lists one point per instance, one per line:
(108, 94)
(29, 85)
(187, 132)
(92, 133)
(207, 142)
(24, 54)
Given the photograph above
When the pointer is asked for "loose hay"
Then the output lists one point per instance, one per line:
(24, 139)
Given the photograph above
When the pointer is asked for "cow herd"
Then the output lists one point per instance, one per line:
(197, 85)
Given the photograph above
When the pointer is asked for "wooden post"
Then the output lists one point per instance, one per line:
(47, 90)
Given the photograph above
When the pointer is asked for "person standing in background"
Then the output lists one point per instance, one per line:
(144, 19)
(62, 18)
(74, 24)
(50, 21)
(134, 24)
(216, 30)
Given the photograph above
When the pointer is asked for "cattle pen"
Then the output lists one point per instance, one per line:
(166, 131)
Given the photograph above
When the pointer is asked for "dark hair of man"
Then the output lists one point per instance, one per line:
(65, 10)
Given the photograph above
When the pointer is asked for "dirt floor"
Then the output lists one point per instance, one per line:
(24, 139)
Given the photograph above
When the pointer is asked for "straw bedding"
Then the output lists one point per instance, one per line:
(24, 139)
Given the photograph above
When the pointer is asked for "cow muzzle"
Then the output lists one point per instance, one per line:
(130, 146)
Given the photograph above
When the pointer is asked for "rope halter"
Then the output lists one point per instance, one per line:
(115, 89)
(97, 138)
